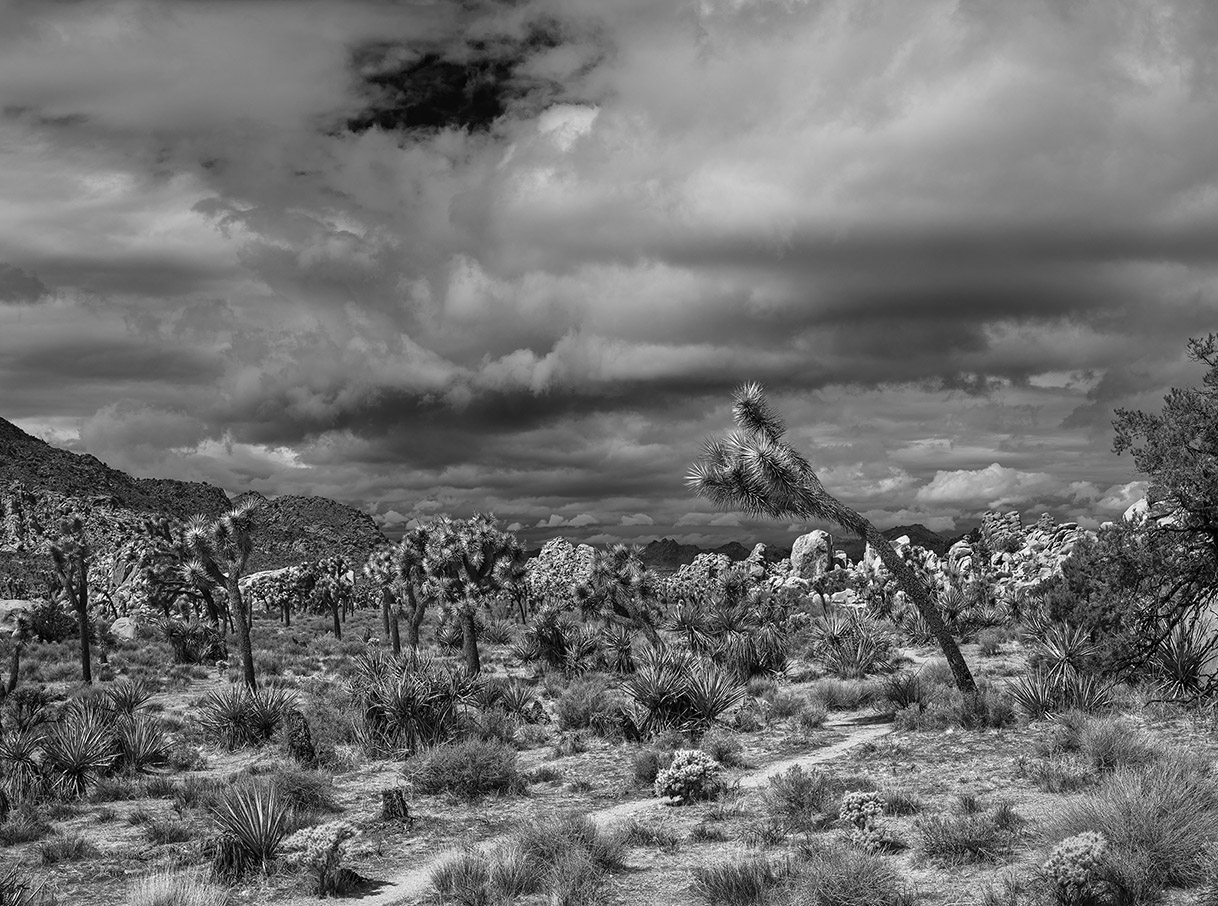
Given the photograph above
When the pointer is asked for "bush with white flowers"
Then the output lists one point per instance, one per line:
(1073, 866)
(321, 850)
(691, 775)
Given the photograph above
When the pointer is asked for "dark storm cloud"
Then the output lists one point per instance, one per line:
(19, 287)
(516, 256)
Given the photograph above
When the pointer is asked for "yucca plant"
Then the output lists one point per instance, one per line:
(1086, 692)
(583, 643)
(1180, 662)
(617, 649)
(1064, 649)
(225, 714)
(710, 692)
(268, 708)
(127, 697)
(142, 743)
(256, 818)
(79, 751)
(1036, 694)
(19, 755)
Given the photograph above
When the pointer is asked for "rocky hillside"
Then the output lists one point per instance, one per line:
(667, 555)
(41, 484)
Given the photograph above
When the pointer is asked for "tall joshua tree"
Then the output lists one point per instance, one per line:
(221, 550)
(753, 469)
(71, 557)
(467, 561)
(618, 589)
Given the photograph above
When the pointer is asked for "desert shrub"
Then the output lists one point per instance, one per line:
(167, 830)
(723, 747)
(463, 878)
(989, 641)
(1061, 774)
(193, 642)
(904, 690)
(304, 790)
(901, 802)
(588, 703)
(47, 621)
(797, 797)
(1112, 743)
(175, 888)
(959, 839)
(25, 824)
(765, 832)
(784, 705)
(471, 769)
(839, 875)
(1043, 693)
(750, 882)
(637, 833)
(691, 775)
(412, 708)
(1074, 868)
(66, 849)
(647, 764)
(1162, 815)
(844, 695)
(812, 715)
(320, 851)
(987, 707)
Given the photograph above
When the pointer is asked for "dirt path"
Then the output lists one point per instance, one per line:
(410, 886)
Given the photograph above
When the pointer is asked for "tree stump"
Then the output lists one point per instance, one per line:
(394, 807)
(299, 738)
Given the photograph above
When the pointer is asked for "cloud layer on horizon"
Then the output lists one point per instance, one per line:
(950, 238)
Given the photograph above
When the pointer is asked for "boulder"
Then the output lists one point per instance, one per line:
(123, 628)
(812, 554)
(10, 610)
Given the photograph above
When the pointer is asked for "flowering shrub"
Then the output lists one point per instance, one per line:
(862, 810)
(321, 850)
(691, 775)
(861, 807)
(1073, 865)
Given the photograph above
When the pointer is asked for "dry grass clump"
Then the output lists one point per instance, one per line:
(1160, 821)
(565, 858)
(176, 888)
(471, 768)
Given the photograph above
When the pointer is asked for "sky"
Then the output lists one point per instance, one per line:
(514, 257)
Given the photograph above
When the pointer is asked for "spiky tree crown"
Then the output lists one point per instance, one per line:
(754, 470)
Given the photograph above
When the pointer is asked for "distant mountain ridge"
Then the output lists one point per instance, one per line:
(291, 528)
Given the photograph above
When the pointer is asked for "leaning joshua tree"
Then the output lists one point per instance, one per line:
(753, 469)
(221, 550)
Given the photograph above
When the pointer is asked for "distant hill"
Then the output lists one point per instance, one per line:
(291, 528)
(39, 466)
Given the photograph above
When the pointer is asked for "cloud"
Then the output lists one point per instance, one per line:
(20, 287)
(301, 255)
(994, 486)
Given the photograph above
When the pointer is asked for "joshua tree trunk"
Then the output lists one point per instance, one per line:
(338, 626)
(386, 602)
(418, 610)
(236, 606)
(14, 666)
(913, 586)
(469, 639)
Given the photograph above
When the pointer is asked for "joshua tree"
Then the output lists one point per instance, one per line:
(410, 583)
(618, 589)
(71, 556)
(467, 561)
(221, 550)
(755, 470)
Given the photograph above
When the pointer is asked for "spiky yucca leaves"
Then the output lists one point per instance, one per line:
(419, 708)
(1182, 664)
(676, 690)
(238, 716)
(142, 743)
(79, 750)
(755, 470)
(852, 644)
(617, 649)
(127, 696)
(1064, 650)
(20, 750)
(256, 818)
(1041, 693)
